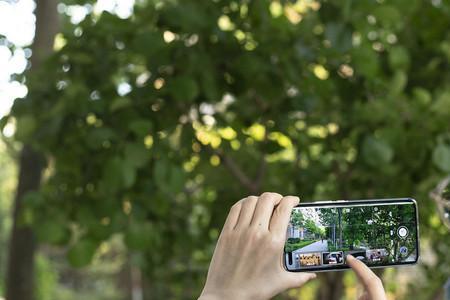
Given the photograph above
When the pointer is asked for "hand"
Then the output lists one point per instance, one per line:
(248, 259)
(373, 287)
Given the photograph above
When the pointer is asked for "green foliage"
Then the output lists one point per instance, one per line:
(81, 253)
(293, 240)
(297, 218)
(46, 278)
(8, 177)
(312, 227)
(441, 157)
(337, 101)
(297, 245)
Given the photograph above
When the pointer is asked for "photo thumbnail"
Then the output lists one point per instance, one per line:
(309, 259)
(359, 254)
(333, 258)
(377, 255)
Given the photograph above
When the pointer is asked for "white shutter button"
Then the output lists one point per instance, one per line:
(402, 231)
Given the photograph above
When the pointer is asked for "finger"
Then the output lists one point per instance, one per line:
(246, 213)
(281, 215)
(299, 279)
(264, 209)
(233, 216)
(364, 296)
(371, 282)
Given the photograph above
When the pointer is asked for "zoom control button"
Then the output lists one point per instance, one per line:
(403, 250)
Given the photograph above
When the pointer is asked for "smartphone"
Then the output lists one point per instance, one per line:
(378, 232)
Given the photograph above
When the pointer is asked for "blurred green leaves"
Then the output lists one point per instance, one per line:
(227, 98)
(339, 35)
(376, 152)
(26, 125)
(441, 157)
(183, 88)
(399, 58)
(82, 252)
(137, 155)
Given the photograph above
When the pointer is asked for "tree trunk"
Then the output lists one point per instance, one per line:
(340, 227)
(22, 244)
(20, 271)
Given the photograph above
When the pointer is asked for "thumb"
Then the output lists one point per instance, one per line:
(298, 279)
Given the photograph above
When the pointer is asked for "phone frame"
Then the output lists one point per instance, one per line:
(364, 202)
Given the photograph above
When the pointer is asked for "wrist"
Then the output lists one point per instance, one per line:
(222, 296)
(208, 297)
(211, 296)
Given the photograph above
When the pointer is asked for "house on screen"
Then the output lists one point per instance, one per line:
(299, 232)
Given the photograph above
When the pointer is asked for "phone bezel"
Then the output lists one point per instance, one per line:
(344, 203)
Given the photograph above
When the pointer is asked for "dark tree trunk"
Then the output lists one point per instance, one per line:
(22, 245)
(20, 270)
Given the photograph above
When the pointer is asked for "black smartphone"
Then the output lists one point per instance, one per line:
(379, 232)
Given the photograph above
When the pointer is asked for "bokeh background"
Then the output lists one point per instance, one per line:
(139, 123)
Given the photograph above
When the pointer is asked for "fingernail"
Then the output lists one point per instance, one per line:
(350, 257)
(313, 275)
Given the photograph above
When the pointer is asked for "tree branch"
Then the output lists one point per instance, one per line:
(236, 171)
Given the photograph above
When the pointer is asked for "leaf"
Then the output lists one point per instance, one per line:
(209, 87)
(97, 136)
(176, 179)
(365, 61)
(376, 152)
(26, 125)
(3, 122)
(82, 252)
(183, 88)
(99, 231)
(141, 127)
(398, 82)
(112, 178)
(136, 154)
(339, 36)
(271, 147)
(148, 42)
(422, 96)
(389, 16)
(160, 172)
(441, 157)
(139, 235)
(169, 178)
(129, 174)
(442, 104)
(119, 103)
(399, 58)
(50, 231)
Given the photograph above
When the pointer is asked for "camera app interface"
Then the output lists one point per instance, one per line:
(321, 237)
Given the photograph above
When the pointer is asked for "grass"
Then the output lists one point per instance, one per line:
(333, 248)
(291, 247)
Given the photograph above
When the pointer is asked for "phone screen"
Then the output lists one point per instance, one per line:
(377, 232)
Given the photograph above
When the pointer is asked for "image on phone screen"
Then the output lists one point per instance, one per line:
(377, 232)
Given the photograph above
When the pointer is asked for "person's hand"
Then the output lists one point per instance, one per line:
(248, 259)
(373, 287)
